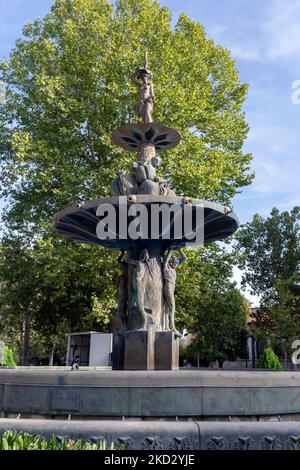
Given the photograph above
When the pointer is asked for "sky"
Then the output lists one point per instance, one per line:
(264, 37)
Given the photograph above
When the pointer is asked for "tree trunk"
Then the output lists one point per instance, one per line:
(26, 339)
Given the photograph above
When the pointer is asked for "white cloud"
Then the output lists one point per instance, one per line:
(274, 146)
(282, 30)
(251, 52)
(272, 34)
(271, 178)
(278, 140)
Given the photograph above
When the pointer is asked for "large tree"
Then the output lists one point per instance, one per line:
(49, 290)
(67, 87)
(211, 308)
(270, 259)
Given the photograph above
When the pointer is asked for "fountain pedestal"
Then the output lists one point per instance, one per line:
(145, 350)
(166, 351)
(138, 350)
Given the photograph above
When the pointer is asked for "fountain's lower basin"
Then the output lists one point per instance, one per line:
(175, 410)
(183, 393)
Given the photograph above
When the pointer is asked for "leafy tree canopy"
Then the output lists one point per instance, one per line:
(211, 308)
(270, 259)
(61, 289)
(68, 87)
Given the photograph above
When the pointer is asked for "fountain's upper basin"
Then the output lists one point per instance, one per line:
(80, 221)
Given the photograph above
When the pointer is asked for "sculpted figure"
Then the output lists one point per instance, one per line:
(138, 286)
(169, 271)
(143, 79)
(124, 184)
(122, 293)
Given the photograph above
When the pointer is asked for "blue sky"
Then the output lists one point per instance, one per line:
(264, 37)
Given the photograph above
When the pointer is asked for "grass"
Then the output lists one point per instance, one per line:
(12, 440)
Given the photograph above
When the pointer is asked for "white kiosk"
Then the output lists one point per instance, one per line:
(93, 348)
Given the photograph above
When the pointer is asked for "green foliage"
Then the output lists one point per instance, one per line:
(9, 358)
(64, 286)
(268, 360)
(68, 87)
(270, 259)
(210, 306)
(11, 440)
(271, 249)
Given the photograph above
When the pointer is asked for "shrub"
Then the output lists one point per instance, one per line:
(268, 360)
(9, 358)
(12, 440)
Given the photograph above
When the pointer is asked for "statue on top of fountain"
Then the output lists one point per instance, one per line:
(143, 79)
(143, 179)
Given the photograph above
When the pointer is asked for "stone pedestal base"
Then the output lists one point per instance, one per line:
(166, 351)
(143, 350)
(138, 350)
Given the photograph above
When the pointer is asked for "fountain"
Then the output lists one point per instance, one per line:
(146, 338)
(144, 402)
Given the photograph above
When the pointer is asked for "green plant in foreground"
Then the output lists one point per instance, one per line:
(268, 360)
(9, 358)
(12, 440)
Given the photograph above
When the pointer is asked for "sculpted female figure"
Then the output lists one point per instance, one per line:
(122, 293)
(143, 79)
(169, 271)
(138, 286)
